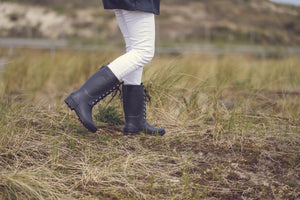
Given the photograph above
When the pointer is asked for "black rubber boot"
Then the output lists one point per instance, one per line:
(134, 103)
(98, 86)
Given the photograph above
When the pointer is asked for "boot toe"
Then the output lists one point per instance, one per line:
(83, 111)
(87, 124)
(161, 131)
(86, 120)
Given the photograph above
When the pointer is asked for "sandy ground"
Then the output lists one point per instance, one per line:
(48, 23)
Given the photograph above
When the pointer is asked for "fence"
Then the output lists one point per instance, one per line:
(53, 45)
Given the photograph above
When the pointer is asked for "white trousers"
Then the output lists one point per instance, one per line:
(138, 29)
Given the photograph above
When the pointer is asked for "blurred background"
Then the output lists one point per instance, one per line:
(225, 84)
(262, 27)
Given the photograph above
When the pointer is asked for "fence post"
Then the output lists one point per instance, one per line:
(52, 50)
(11, 50)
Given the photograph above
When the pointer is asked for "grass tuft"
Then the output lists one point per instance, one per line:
(109, 114)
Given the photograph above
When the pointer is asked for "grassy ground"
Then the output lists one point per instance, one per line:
(232, 125)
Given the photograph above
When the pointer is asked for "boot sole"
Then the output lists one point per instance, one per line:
(72, 105)
(137, 133)
(131, 133)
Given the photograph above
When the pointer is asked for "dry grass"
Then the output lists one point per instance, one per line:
(232, 131)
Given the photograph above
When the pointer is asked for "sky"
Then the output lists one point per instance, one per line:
(293, 2)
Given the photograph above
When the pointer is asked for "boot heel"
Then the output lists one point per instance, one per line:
(69, 101)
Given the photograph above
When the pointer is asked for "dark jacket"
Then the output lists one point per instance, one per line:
(140, 5)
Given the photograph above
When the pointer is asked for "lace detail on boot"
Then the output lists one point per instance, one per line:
(115, 88)
(146, 98)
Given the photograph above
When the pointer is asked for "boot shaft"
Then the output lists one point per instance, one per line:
(134, 104)
(134, 100)
(100, 82)
(98, 86)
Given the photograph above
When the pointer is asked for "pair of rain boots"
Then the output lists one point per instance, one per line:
(101, 84)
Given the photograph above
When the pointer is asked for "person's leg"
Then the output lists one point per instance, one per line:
(124, 29)
(139, 34)
(138, 29)
(135, 77)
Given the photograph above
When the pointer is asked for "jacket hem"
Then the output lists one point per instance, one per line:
(156, 12)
